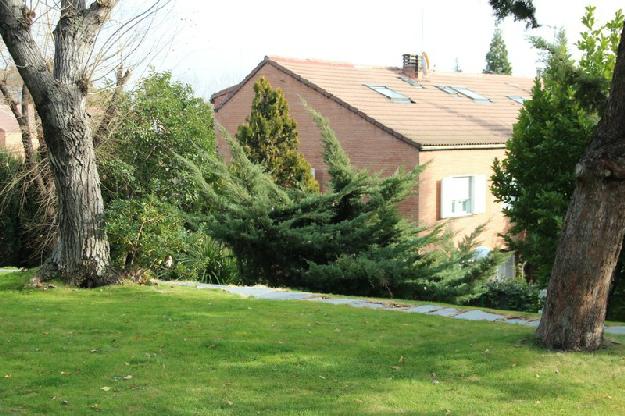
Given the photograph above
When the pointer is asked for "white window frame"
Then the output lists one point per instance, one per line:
(477, 196)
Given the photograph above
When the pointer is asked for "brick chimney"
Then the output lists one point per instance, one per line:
(411, 65)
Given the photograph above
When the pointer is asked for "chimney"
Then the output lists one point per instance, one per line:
(411, 65)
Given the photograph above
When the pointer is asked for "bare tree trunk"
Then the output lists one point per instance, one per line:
(590, 244)
(82, 253)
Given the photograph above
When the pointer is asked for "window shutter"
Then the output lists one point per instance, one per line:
(446, 186)
(478, 194)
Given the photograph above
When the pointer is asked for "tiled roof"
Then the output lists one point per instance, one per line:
(434, 118)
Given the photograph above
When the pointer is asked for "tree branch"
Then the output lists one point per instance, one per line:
(112, 107)
(15, 31)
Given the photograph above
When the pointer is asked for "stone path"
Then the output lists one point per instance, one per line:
(264, 292)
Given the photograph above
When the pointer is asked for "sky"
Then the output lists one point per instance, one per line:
(215, 44)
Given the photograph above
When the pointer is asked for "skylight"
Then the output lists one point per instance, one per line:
(471, 94)
(447, 89)
(517, 99)
(410, 81)
(463, 91)
(394, 96)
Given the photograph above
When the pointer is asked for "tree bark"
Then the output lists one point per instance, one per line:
(82, 253)
(574, 313)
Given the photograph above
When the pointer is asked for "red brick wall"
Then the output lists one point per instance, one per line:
(374, 149)
(367, 145)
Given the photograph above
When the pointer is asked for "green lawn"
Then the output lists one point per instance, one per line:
(180, 351)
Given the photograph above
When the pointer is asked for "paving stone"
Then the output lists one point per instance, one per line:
(446, 312)
(342, 301)
(211, 286)
(424, 309)
(477, 315)
(615, 330)
(517, 321)
(253, 291)
(285, 295)
(263, 292)
(369, 305)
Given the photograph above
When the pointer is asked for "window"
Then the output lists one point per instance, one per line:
(472, 94)
(517, 99)
(410, 81)
(447, 89)
(395, 96)
(463, 91)
(462, 195)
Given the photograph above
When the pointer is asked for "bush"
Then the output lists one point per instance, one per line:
(512, 294)
(349, 240)
(205, 260)
(22, 242)
(144, 234)
(161, 119)
(10, 226)
(149, 236)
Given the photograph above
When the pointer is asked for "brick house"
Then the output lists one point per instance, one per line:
(10, 133)
(387, 118)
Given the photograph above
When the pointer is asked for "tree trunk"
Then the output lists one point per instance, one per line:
(82, 254)
(574, 313)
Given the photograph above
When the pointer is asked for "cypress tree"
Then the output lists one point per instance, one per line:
(269, 137)
(497, 57)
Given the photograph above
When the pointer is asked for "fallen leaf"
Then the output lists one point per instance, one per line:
(396, 367)
(229, 403)
(128, 377)
(64, 402)
(7, 376)
(401, 359)
(322, 377)
(105, 388)
(94, 350)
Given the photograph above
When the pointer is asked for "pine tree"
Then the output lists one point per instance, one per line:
(270, 138)
(497, 57)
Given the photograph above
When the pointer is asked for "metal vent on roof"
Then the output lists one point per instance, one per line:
(517, 99)
(464, 91)
(390, 93)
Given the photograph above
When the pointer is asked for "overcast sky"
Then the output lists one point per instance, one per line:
(217, 43)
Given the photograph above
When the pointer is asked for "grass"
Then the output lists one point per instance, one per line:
(180, 351)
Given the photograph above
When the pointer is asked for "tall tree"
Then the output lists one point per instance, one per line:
(537, 177)
(591, 240)
(59, 93)
(497, 57)
(270, 138)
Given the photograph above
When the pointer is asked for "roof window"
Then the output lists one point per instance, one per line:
(410, 81)
(464, 91)
(393, 95)
(517, 99)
